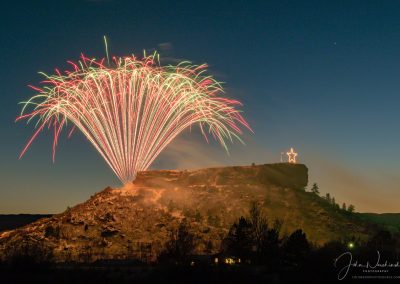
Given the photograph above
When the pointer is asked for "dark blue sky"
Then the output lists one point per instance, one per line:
(321, 76)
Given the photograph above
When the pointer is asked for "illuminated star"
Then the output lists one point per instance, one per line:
(292, 156)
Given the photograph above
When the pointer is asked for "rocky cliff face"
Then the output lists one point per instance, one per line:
(135, 221)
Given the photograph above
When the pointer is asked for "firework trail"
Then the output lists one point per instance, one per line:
(131, 109)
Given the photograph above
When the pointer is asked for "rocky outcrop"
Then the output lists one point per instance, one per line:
(136, 221)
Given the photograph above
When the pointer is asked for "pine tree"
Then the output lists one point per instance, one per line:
(315, 188)
(328, 197)
(351, 208)
(258, 222)
(344, 206)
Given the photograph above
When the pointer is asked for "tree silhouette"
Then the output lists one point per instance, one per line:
(258, 223)
(382, 241)
(296, 248)
(328, 197)
(351, 208)
(315, 188)
(269, 250)
(344, 206)
(239, 241)
(180, 245)
(253, 238)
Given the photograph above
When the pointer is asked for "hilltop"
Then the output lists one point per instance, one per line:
(136, 221)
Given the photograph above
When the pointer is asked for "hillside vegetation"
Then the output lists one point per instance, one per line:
(137, 220)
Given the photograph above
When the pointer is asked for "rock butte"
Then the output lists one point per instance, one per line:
(135, 221)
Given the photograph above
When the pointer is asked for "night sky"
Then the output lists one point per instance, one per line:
(320, 76)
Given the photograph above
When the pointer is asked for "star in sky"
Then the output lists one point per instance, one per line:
(292, 156)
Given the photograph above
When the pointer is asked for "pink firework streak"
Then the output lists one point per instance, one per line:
(131, 109)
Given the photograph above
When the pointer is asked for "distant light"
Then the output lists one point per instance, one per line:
(350, 245)
(229, 260)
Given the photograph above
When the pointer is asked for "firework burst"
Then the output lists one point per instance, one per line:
(131, 109)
